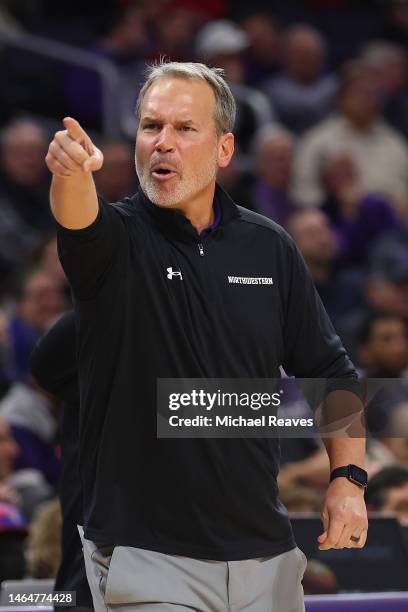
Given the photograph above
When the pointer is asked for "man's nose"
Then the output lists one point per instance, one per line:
(165, 142)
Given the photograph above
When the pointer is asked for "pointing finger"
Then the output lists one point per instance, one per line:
(75, 131)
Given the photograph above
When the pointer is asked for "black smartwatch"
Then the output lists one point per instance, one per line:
(353, 473)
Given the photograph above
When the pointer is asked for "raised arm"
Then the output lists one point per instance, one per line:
(72, 157)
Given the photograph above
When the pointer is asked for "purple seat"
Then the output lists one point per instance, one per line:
(361, 602)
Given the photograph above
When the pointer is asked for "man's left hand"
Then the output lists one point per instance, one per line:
(344, 516)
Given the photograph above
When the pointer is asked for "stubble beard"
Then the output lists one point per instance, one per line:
(184, 186)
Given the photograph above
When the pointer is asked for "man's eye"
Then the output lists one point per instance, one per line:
(151, 126)
(186, 128)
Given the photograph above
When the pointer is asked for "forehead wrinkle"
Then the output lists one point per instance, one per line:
(179, 106)
(175, 114)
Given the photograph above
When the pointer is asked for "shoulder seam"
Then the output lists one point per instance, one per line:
(267, 225)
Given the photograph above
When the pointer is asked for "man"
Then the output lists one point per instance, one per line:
(273, 153)
(303, 94)
(222, 43)
(383, 346)
(388, 492)
(379, 152)
(186, 524)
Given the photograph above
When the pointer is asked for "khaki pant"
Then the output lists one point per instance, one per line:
(127, 579)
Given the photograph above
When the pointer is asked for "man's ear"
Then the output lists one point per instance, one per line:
(225, 149)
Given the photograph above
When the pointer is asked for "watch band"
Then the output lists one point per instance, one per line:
(355, 474)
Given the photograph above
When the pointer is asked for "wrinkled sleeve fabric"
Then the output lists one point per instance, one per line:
(89, 254)
(312, 349)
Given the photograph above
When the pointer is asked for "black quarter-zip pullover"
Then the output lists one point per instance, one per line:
(154, 300)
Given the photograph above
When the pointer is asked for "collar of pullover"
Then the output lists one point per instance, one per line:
(174, 222)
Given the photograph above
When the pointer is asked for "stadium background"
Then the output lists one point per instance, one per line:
(322, 126)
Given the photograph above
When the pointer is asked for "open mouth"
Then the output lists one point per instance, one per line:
(163, 173)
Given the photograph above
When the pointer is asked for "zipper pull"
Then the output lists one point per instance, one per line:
(201, 249)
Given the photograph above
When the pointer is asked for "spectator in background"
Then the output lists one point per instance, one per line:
(273, 148)
(380, 154)
(4, 355)
(206, 9)
(44, 543)
(30, 415)
(383, 353)
(338, 289)
(383, 346)
(389, 63)
(54, 367)
(388, 445)
(24, 176)
(8, 454)
(303, 94)
(221, 43)
(387, 492)
(237, 179)
(13, 528)
(313, 235)
(300, 499)
(386, 286)
(173, 33)
(39, 301)
(45, 258)
(396, 26)
(358, 218)
(117, 176)
(262, 58)
(309, 470)
(24, 186)
(125, 44)
(13, 531)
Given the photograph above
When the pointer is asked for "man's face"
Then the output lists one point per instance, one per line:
(42, 302)
(304, 56)
(360, 101)
(177, 149)
(397, 503)
(314, 237)
(275, 162)
(387, 348)
(23, 155)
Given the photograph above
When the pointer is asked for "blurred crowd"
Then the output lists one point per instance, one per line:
(321, 148)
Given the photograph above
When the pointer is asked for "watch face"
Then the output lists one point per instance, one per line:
(358, 475)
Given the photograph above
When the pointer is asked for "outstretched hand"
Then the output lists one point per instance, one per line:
(72, 151)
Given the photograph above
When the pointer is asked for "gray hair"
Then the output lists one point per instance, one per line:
(225, 107)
